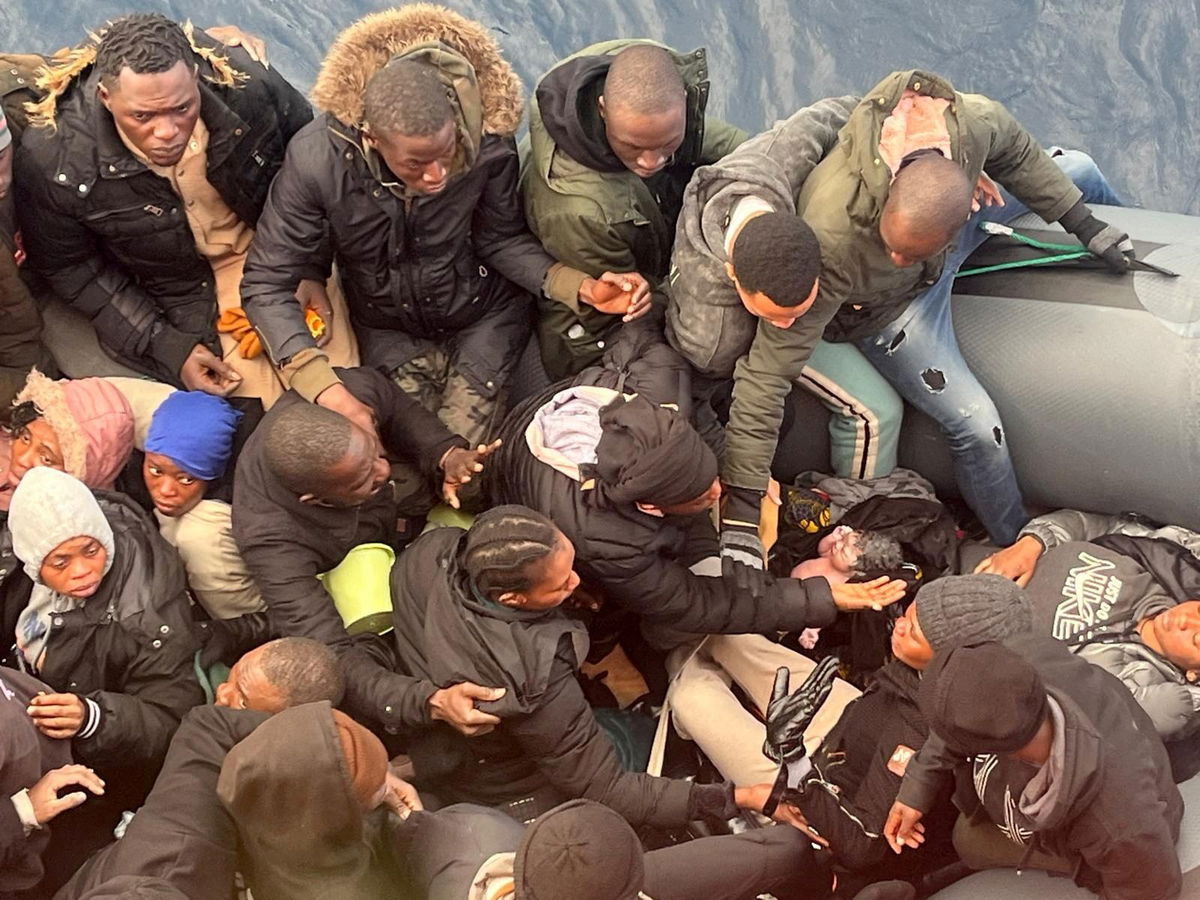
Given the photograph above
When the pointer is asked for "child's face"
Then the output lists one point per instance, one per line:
(1178, 633)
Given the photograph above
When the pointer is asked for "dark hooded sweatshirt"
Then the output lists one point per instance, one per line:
(182, 835)
(548, 744)
(302, 834)
(1113, 810)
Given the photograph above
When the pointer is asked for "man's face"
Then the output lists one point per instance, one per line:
(760, 305)
(908, 641)
(423, 163)
(644, 143)
(34, 445)
(698, 505)
(357, 476)
(174, 491)
(156, 111)
(6, 164)
(247, 687)
(1178, 633)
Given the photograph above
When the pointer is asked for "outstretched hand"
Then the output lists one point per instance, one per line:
(45, 798)
(789, 714)
(874, 594)
(903, 827)
(232, 36)
(1016, 563)
(459, 466)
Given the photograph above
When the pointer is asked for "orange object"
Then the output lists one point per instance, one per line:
(234, 323)
(609, 298)
(316, 325)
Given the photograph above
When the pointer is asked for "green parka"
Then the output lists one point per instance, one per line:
(609, 220)
(861, 290)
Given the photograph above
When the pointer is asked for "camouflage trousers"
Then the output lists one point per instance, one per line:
(432, 380)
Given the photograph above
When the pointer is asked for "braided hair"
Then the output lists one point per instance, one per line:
(502, 547)
(146, 43)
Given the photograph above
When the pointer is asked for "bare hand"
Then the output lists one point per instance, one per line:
(624, 294)
(311, 295)
(986, 194)
(44, 795)
(400, 796)
(455, 706)
(232, 36)
(459, 465)
(874, 594)
(57, 715)
(338, 398)
(204, 371)
(785, 813)
(903, 827)
(1015, 563)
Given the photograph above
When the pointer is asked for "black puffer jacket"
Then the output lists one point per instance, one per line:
(640, 561)
(548, 740)
(129, 647)
(286, 543)
(414, 268)
(112, 238)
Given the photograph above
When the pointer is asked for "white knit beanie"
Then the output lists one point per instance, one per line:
(49, 507)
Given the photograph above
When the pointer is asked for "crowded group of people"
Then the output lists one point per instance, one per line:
(530, 395)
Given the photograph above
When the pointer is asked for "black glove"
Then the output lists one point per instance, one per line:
(1104, 241)
(226, 640)
(741, 548)
(788, 715)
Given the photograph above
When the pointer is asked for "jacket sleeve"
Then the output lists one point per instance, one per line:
(290, 235)
(1138, 866)
(1066, 525)
(1019, 163)
(720, 138)
(665, 592)
(855, 834)
(927, 774)
(561, 736)
(22, 322)
(158, 687)
(405, 426)
(375, 689)
(499, 234)
(762, 380)
(63, 251)
(1168, 704)
(20, 861)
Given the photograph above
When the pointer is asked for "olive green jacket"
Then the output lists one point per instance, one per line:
(609, 221)
(861, 290)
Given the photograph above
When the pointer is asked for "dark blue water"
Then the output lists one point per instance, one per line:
(1120, 78)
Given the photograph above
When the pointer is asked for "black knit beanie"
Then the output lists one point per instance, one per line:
(581, 850)
(983, 698)
(651, 454)
(967, 609)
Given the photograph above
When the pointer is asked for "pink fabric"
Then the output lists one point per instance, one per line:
(917, 123)
(106, 422)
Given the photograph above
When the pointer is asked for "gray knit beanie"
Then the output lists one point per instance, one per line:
(967, 609)
(49, 507)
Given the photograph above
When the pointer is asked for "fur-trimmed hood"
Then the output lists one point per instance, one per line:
(366, 47)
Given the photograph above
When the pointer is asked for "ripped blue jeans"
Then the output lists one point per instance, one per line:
(919, 354)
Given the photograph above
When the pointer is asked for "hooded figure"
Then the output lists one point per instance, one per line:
(118, 639)
(301, 789)
(436, 275)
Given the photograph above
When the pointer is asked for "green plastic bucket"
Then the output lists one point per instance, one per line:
(361, 589)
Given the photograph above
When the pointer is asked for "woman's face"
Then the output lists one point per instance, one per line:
(35, 444)
(554, 579)
(174, 491)
(75, 567)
